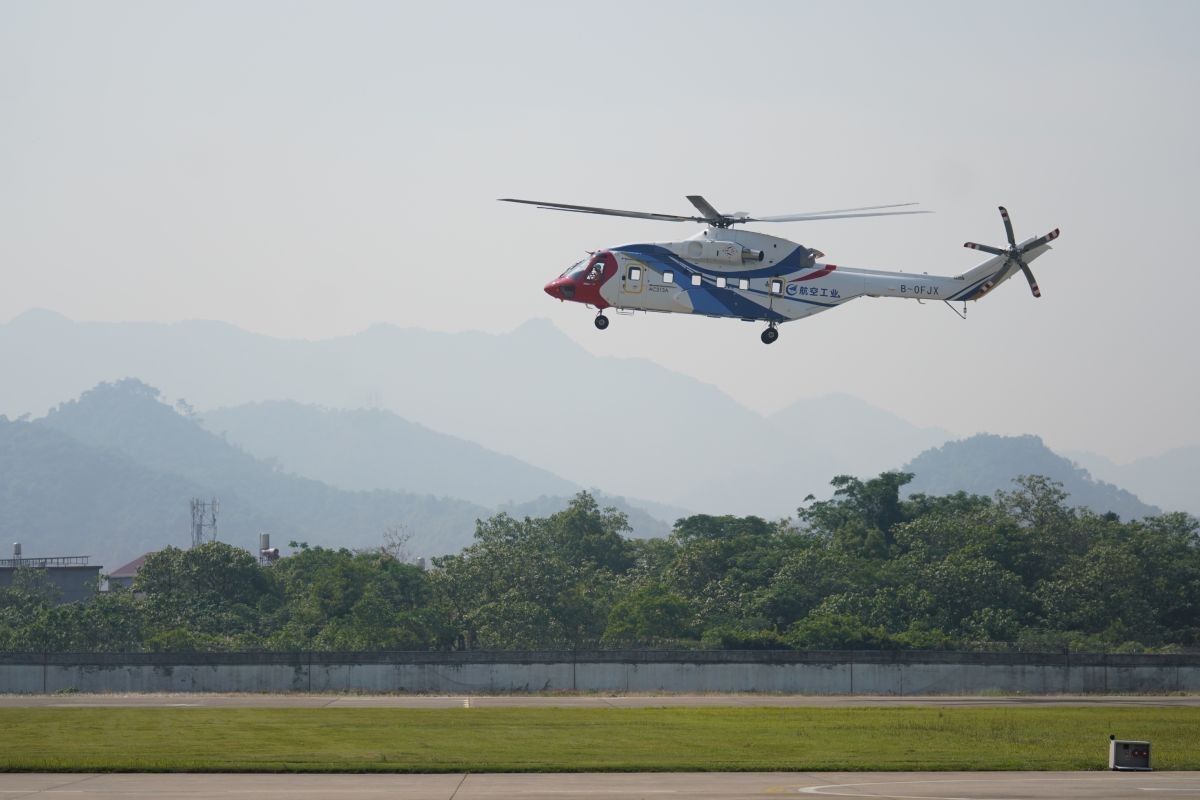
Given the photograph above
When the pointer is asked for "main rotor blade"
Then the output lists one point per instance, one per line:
(704, 207)
(816, 216)
(1008, 226)
(1036, 243)
(716, 216)
(845, 210)
(996, 251)
(610, 212)
(1029, 277)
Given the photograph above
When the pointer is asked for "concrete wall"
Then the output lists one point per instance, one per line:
(884, 673)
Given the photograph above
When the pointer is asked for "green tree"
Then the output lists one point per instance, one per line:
(25, 605)
(834, 631)
(868, 505)
(806, 578)
(215, 591)
(535, 583)
(649, 614)
(721, 565)
(342, 600)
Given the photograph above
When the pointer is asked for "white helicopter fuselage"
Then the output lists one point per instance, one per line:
(722, 272)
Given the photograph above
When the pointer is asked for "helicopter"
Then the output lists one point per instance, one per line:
(742, 274)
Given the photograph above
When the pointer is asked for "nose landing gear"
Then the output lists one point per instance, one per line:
(770, 334)
(601, 321)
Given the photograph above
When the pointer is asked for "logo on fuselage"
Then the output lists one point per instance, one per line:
(812, 291)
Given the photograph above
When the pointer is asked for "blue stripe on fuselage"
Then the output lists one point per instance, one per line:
(707, 298)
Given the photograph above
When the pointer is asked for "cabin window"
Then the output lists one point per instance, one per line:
(695, 280)
(635, 273)
(776, 286)
(668, 277)
(721, 282)
(744, 284)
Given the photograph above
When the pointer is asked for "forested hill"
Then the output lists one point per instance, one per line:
(369, 449)
(496, 390)
(365, 449)
(1168, 480)
(61, 497)
(110, 475)
(985, 464)
(148, 442)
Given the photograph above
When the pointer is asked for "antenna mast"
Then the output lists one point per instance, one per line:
(204, 521)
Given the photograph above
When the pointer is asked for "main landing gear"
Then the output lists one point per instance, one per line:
(601, 321)
(770, 334)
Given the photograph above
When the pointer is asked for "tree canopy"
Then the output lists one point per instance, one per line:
(866, 569)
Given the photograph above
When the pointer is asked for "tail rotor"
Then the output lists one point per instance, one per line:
(1014, 255)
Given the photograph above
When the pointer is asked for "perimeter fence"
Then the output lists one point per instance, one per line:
(485, 671)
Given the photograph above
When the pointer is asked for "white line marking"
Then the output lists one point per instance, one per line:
(819, 789)
(889, 795)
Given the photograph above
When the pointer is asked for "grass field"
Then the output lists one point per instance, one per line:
(571, 740)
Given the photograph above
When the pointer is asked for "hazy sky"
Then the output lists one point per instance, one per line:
(308, 169)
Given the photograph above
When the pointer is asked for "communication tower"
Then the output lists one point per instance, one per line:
(204, 521)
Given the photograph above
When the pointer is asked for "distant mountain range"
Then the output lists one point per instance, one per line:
(456, 426)
(372, 449)
(366, 449)
(110, 475)
(1170, 480)
(147, 441)
(628, 425)
(984, 464)
(61, 497)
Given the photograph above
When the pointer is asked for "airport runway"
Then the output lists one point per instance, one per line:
(662, 786)
(573, 700)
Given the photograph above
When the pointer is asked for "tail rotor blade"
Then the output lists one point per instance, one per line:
(1033, 287)
(1036, 243)
(996, 251)
(1012, 257)
(1008, 226)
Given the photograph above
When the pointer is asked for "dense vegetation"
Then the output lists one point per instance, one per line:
(865, 569)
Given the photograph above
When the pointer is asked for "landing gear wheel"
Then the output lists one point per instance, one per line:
(601, 321)
(769, 335)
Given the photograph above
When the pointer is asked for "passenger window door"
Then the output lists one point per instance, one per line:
(631, 283)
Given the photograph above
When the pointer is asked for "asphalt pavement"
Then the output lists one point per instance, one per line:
(592, 786)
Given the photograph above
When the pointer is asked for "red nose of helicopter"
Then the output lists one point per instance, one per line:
(562, 288)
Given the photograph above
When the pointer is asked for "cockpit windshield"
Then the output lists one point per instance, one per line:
(575, 270)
